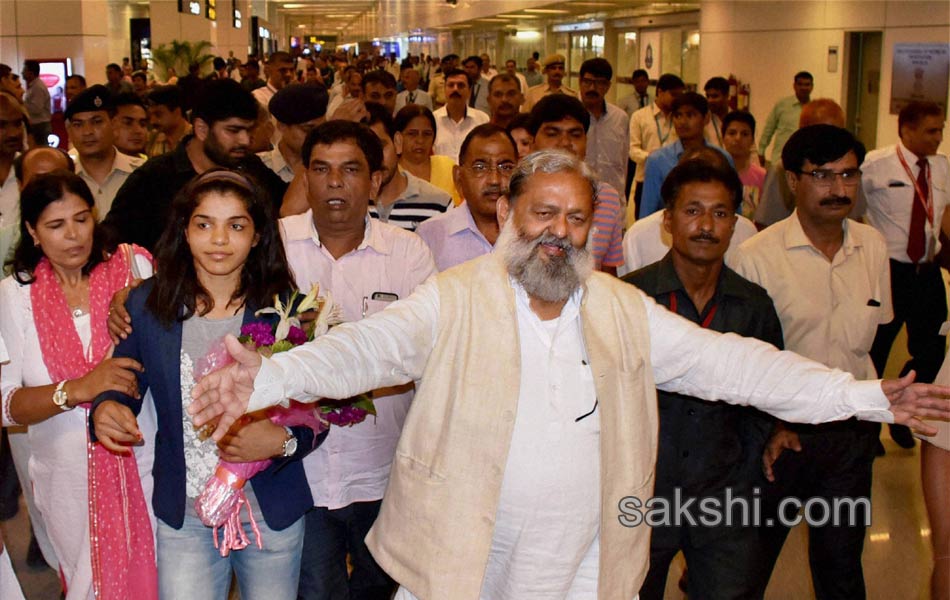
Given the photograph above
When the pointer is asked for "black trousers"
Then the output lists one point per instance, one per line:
(728, 567)
(834, 463)
(920, 301)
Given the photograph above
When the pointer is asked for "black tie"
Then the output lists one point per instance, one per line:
(471, 101)
(412, 97)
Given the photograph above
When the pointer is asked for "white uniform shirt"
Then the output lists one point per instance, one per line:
(352, 464)
(418, 96)
(274, 161)
(829, 310)
(449, 135)
(890, 197)
(649, 130)
(9, 200)
(104, 194)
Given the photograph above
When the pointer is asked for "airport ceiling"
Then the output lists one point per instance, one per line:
(351, 19)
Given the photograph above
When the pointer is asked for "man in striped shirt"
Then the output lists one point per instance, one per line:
(561, 121)
(403, 200)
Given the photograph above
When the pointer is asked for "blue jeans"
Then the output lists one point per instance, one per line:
(189, 566)
(331, 535)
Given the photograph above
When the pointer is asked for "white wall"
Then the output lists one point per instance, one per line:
(765, 43)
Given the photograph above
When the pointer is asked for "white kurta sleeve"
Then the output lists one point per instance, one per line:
(388, 348)
(697, 362)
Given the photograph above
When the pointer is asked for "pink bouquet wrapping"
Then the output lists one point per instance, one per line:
(219, 504)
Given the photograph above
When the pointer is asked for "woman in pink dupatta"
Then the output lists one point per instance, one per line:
(53, 311)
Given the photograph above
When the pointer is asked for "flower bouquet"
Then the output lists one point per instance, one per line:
(219, 504)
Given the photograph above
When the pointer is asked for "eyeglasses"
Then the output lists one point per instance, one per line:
(595, 82)
(481, 169)
(825, 177)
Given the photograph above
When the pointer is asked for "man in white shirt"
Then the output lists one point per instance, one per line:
(640, 98)
(650, 128)
(37, 102)
(608, 137)
(280, 72)
(298, 108)
(102, 167)
(479, 83)
(516, 352)
(907, 188)
(511, 67)
(12, 130)
(411, 94)
(365, 265)
(828, 277)
(456, 118)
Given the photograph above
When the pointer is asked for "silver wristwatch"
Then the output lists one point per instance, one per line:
(60, 398)
(290, 444)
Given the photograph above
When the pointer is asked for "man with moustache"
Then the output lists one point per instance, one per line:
(608, 136)
(488, 158)
(166, 115)
(907, 186)
(456, 118)
(829, 278)
(437, 83)
(511, 67)
(223, 116)
(105, 170)
(75, 85)
(504, 99)
(536, 410)
(360, 261)
(478, 82)
(707, 449)
(554, 71)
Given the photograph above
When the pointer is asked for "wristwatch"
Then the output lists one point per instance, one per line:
(60, 398)
(290, 444)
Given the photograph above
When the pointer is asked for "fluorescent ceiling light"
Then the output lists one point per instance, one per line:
(528, 35)
(548, 11)
(519, 16)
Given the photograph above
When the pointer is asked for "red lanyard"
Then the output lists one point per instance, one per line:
(925, 198)
(709, 316)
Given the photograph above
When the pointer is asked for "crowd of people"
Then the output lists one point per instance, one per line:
(561, 307)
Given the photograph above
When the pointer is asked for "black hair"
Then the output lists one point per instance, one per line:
(5, 71)
(32, 65)
(409, 112)
(384, 78)
(113, 67)
(337, 130)
(222, 99)
(640, 73)
(598, 67)
(485, 130)
(557, 107)
(168, 96)
(218, 63)
(279, 56)
(914, 112)
(377, 113)
(42, 191)
(450, 57)
(720, 84)
(81, 79)
(695, 170)
(177, 291)
(504, 77)
(456, 73)
(819, 144)
(668, 82)
(475, 59)
(804, 75)
(519, 121)
(127, 99)
(140, 75)
(697, 101)
(742, 117)
(18, 161)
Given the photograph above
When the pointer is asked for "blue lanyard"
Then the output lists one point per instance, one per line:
(659, 132)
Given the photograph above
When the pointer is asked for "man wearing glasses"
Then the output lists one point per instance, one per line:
(609, 134)
(487, 160)
(830, 281)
